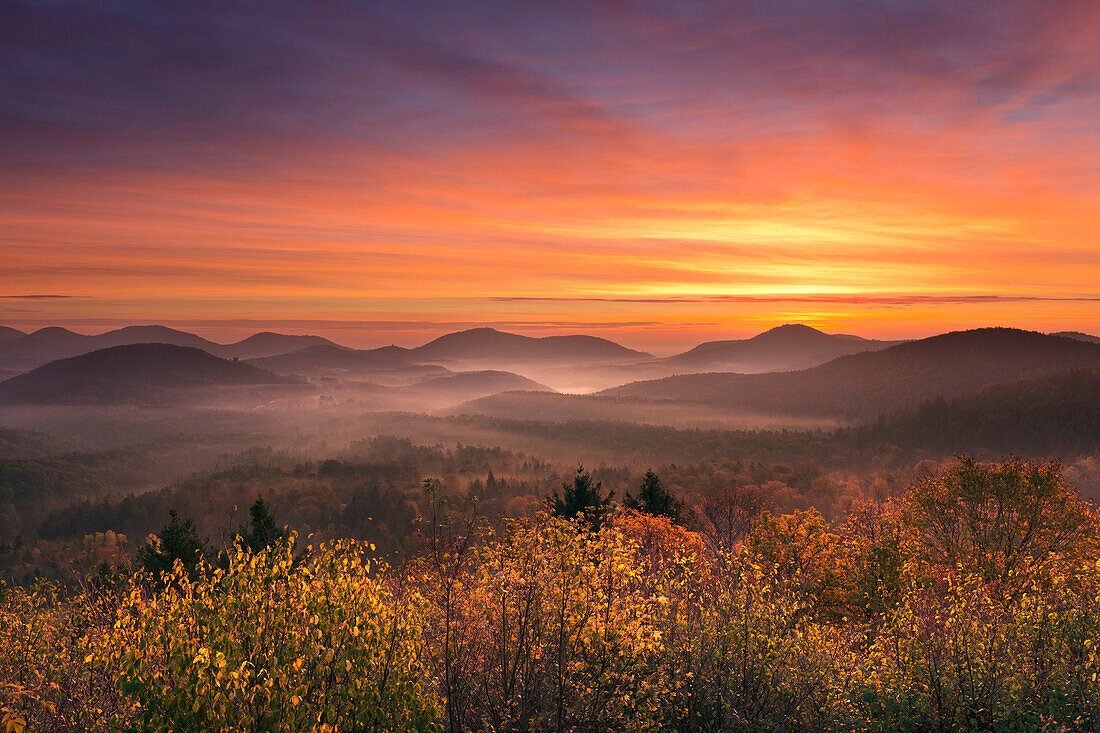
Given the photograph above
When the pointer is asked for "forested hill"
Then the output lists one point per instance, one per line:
(137, 372)
(787, 347)
(488, 343)
(864, 386)
(1055, 415)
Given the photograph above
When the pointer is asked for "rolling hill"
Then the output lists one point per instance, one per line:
(1058, 414)
(131, 373)
(1079, 336)
(387, 366)
(265, 344)
(50, 344)
(784, 348)
(465, 386)
(866, 385)
(10, 334)
(489, 344)
(325, 356)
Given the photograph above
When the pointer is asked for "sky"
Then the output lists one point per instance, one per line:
(657, 173)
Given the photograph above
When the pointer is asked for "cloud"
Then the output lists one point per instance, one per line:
(825, 299)
(40, 297)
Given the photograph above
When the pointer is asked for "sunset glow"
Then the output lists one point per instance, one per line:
(659, 174)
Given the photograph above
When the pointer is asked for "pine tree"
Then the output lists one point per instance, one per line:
(179, 540)
(653, 498)
(582, 498)
(264, 532)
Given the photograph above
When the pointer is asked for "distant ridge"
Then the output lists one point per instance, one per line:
(129, 373)
(1078, 336)
(783, 348)
(25, 351)
(10, 334)
(865, 385)
(270, 344)
(489, 343)
(471, 385)
(324, 359)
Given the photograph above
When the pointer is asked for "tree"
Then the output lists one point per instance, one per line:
(264, 531)
(653, 498)
(582, 498)
(996, 519)
(177, 541)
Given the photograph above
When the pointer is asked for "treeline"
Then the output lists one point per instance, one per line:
(374, 492)
(968, 603)
(30, 487)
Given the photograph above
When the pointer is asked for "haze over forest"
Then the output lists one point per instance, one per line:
(577, 366)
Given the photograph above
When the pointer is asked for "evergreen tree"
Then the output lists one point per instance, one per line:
(263, 531)
(177, 541)
(582, 498)
(653, 498)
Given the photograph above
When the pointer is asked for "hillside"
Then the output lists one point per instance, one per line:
(488, 343)
(784, 348)
(23, 444)
(472, 385)
(10, 334)
(1058, 414)
(1079, 336)
(131, 373)
(330, 356)
(387, 366)
(866, 385)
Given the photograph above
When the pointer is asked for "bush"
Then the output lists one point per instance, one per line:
(274, 645)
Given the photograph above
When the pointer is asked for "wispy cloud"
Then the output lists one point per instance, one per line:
(570, 162)
(39, 297)
(853, 299)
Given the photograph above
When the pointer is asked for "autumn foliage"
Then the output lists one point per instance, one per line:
(971, 603)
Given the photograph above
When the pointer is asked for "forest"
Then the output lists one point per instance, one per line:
(967, 601)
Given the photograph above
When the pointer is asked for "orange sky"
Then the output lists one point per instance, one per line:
(659, 176)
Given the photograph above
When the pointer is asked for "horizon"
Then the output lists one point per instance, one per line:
(660, 175)
(227, 336)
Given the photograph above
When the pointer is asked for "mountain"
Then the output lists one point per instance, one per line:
(1058, 414)
(1078, 336)
(266, 343)
(10, 334)
(482, 344)
(865, 385)
(147, 335)
(784, 348)
(130, 373)
(43, 345)
(49, 344)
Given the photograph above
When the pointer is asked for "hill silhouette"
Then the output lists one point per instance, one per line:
(10, 334)
(784, 348)
(388, 364)
(489, 343)
(329, 356)
(129, 373)
(265, 344)
(471, 385)
(50, 344)
(866, 385)
(1079, 336)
